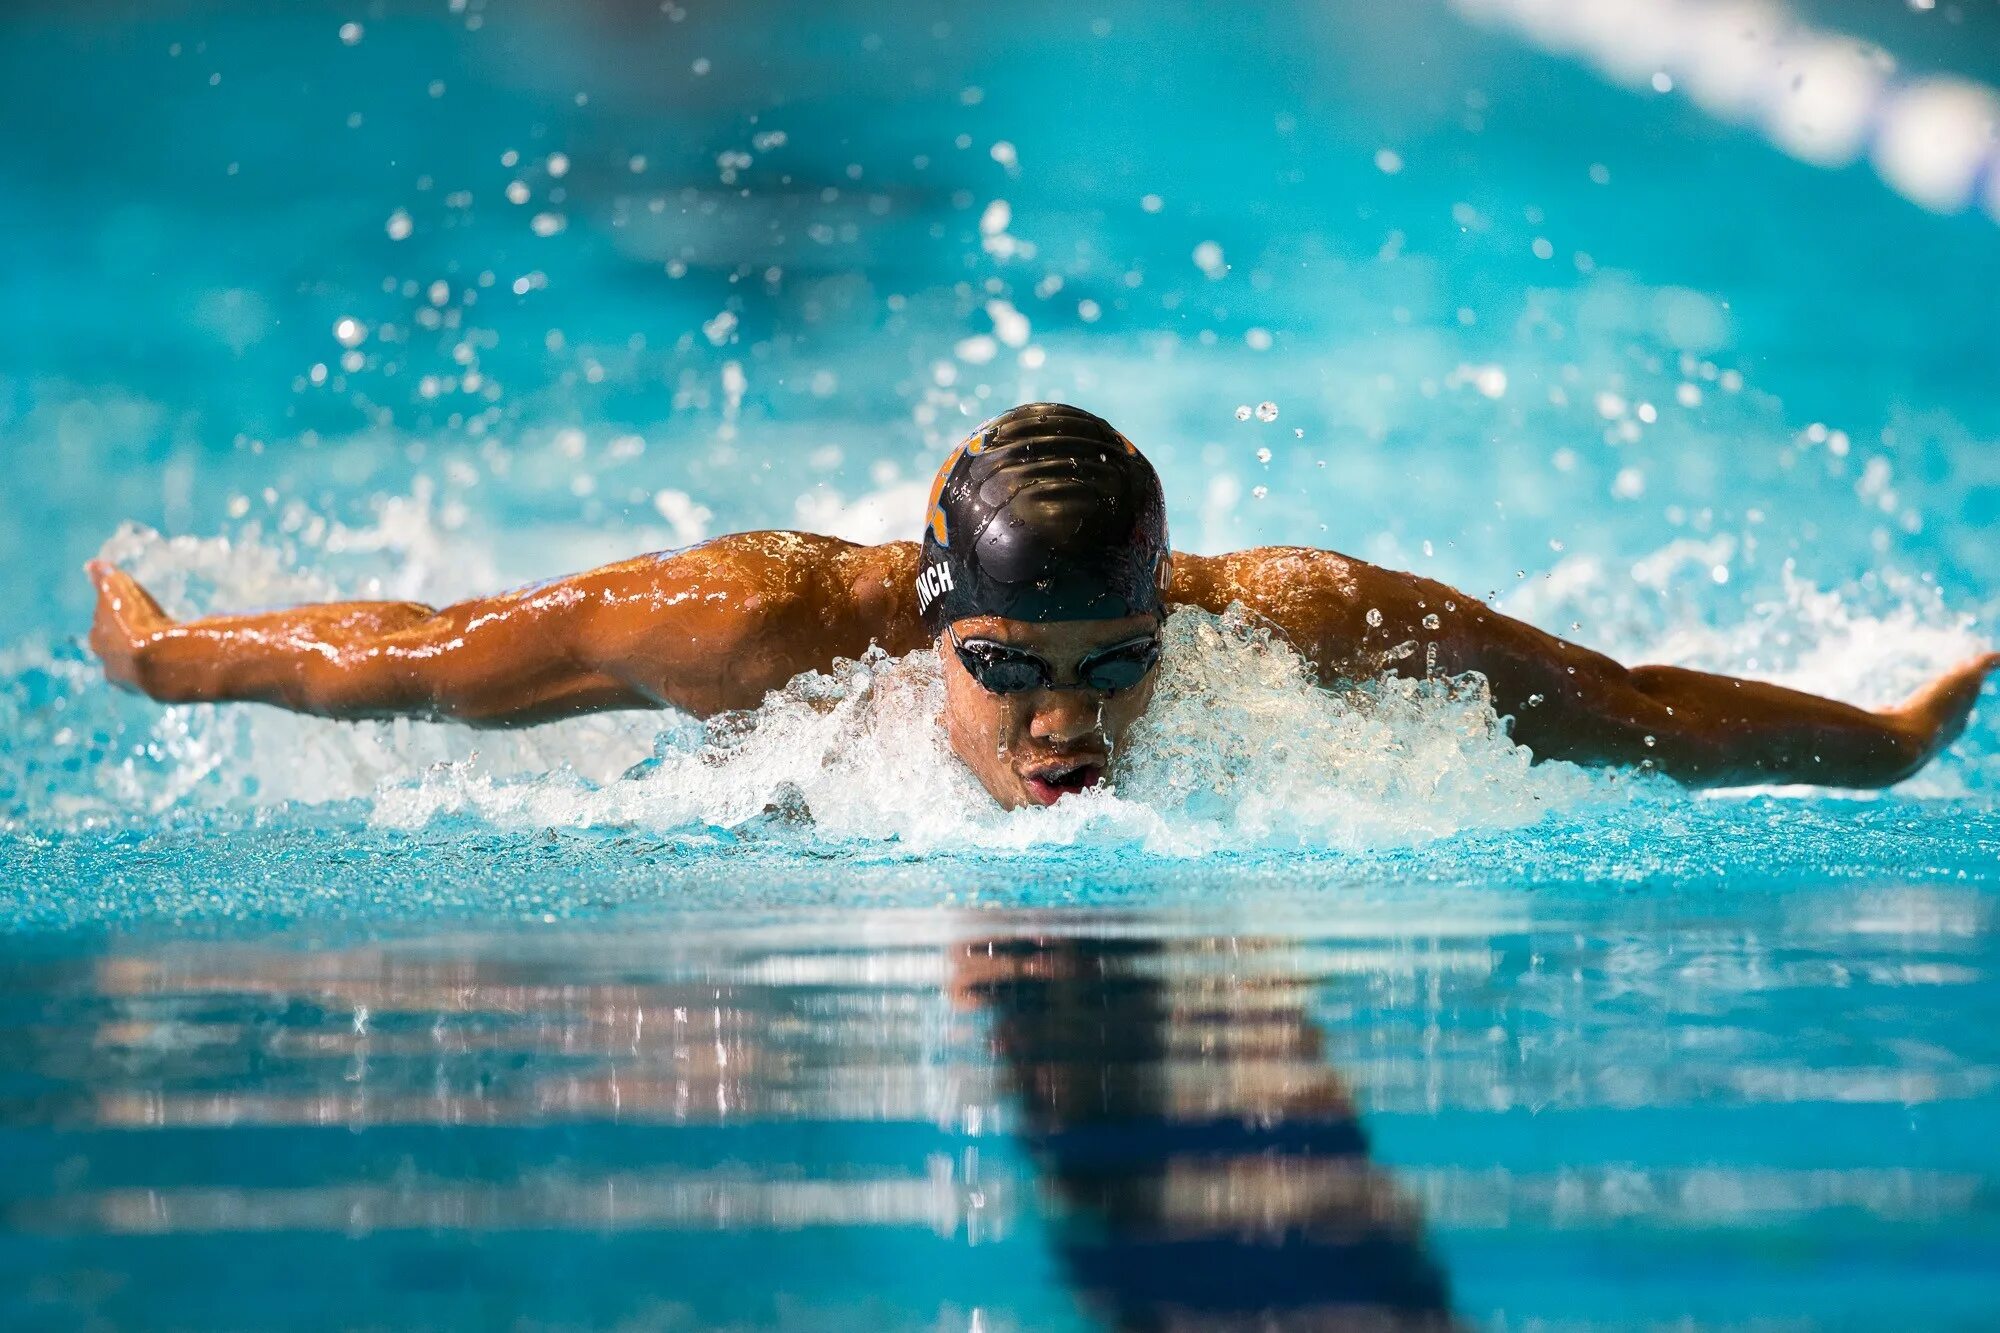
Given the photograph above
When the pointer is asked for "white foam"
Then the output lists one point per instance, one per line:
(1240, 749)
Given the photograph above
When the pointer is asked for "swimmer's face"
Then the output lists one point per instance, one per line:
(1039, 745)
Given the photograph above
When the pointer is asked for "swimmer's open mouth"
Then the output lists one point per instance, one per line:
(1050, 785)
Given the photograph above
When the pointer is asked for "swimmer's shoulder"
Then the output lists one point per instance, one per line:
(850, 593)
(1274, 579)
(879, 585)
(1317, 599)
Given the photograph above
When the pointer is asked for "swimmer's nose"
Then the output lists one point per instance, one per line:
(1063, 717)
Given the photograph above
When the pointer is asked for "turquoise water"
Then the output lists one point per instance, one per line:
(1337, 1004)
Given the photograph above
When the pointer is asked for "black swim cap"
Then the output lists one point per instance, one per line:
(1044, 513)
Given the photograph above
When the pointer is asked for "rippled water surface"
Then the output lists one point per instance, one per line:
(1605, 1107)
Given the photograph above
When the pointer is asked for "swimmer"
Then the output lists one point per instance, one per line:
(1042, 578)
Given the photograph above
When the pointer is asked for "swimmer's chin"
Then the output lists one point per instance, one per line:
(1050, 785)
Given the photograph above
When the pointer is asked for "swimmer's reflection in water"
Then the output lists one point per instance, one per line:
(1207, 1163)
(1042, 578)
(1201, 1160)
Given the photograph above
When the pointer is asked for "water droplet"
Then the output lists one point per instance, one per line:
(1243, 412)
(1534, 701)
(1298, 432)
(1651, 741)
(1374, 617)
(1259, 492)
(1431, 621)
(1263, 455)
(1267, 411)
(350, 33)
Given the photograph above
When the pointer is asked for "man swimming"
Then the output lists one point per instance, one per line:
(1042, 578)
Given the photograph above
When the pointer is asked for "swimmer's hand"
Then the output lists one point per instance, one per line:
(1936, 715)
(127, 620)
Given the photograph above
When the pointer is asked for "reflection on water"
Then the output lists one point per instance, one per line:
(1007, 1120)
(1207, 1163)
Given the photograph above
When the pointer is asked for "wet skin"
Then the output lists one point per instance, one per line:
(1035, 747)
(714, 627)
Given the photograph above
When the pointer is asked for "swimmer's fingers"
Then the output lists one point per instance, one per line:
(125, 618)
(1937, 713)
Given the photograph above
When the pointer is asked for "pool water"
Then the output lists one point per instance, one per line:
(1337, 1013)
(1260, 1096)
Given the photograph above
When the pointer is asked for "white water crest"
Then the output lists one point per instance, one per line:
(1240, 749)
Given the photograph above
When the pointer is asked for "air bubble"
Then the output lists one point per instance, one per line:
(1267, 411)
(1243, 412)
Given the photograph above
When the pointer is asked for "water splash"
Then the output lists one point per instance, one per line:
(1240, 750)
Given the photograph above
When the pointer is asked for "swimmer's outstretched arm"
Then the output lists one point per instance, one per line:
(707, 629)
(1567, 702)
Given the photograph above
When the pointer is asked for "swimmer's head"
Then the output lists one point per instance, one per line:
(1045, 513)
(1043, 578)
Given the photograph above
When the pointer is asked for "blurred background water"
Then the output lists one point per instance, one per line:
(1669, 325)
(313, 257)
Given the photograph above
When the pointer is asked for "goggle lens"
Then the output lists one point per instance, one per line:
(1121, 668)
(1001, 669)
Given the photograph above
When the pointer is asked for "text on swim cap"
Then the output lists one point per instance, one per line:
(935, 579)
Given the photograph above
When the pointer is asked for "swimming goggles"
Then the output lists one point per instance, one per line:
(1003, 669)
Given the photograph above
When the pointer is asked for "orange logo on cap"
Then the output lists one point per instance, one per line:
(971, 444)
